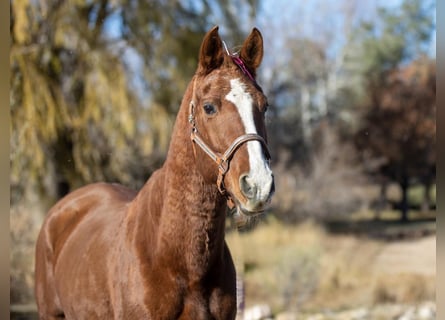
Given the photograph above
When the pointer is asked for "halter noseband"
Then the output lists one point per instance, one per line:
(223, 161)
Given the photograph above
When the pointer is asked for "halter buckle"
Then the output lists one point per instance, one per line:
(223, 167)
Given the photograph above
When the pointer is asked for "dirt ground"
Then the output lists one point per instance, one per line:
(408, 256)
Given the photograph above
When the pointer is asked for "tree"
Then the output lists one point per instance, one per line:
(312, 100)
(397, 89)
(304, 76)
(95, 86)
(65, 82)
(400, 126)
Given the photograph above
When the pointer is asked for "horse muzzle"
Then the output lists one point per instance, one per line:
(257, 191)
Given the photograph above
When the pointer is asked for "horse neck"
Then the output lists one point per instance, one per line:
(188, 215)
(187, 187)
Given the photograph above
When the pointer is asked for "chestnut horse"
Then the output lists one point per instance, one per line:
(106, 252)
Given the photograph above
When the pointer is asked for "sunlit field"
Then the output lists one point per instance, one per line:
(304, 268)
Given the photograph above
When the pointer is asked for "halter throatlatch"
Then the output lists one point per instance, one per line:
(223, 161)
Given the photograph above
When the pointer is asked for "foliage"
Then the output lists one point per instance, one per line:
(399, 36)
(400, 123)
(397, 94)
(95, 86)
(400, 126)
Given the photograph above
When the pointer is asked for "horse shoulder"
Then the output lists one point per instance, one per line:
(64, 217)
(143, 214)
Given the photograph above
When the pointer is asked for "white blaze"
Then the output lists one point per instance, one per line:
(260, 173)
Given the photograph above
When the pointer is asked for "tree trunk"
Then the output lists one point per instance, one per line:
(306, 113)
(426, 203)
(404, 203)
(381, 204)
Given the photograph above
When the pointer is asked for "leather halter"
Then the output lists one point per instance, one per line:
(223, 161)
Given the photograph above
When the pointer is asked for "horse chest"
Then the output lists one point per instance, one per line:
(172, 294)
(194, 305)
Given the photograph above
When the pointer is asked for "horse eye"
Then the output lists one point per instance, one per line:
(209, 109)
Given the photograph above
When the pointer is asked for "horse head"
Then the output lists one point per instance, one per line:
(227, 116)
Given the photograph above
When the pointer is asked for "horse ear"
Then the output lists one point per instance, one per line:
(252, 50)
(211, 54)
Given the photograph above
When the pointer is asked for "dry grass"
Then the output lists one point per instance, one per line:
(280, 265)
(304, 268)
(288, 267)
(24, 228)
(406, 288)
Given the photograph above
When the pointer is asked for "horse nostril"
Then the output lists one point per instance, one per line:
(246, 188)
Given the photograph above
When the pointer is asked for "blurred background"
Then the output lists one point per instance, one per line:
(95, 86)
